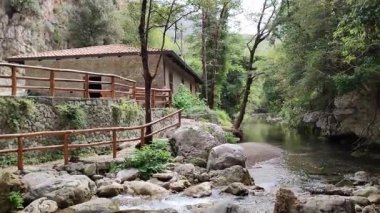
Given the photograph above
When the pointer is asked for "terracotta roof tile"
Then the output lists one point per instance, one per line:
(111, 49)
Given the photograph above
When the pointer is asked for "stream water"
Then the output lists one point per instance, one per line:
(306, 162)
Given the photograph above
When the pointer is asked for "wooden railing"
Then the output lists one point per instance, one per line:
(66, 145)
(70, 81)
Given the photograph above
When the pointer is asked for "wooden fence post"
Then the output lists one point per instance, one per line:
(179, 119)
(20, 154)
(86, 86)
(52, 83)
(134, 90)
(14, 81)
(113, 87)
(114, 145)
(66, 148)
(152, 97)
(142, 139)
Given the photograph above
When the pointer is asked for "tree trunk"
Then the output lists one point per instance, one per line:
(243, 106)
(204, 59)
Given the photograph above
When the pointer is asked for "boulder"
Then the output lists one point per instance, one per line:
(328, 203)
(194, 141)
(371, 209)
(66, 190)
(237, 188)
(41, 205)
(166, 176)
(225, 156)
(128, 174)
(374, 198)
(230, 175)
(110, 190)
(9, 182)
(145, 188)
(160, 183)
(362, 201)
(198, 191)
(96, 205)
(286, 202)
(89, 169)
(366, 191)
(179, 185)
(187, 170)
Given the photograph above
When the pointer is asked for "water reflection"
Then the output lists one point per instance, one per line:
(307, 155)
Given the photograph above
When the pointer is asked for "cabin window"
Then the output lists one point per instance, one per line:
(94, 85)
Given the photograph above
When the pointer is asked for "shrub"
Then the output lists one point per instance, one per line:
(31, 7)
(16, 200)
(184, 99)
(223, 118)
(230, 138)
(73, 116)
(150, 159)
(15, 112)
(125, 112)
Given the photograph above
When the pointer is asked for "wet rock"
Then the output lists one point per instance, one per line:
(110, 190)
(164, 176)
(237, 188)
(96, 205)
(331, 190)
(64, 189)
(89, 169)
(328, 203)
(286, 202)
(230, 175)
(128, 175)
(204, 177)
(187, 170)
(366, 191)
(225, 156)
(179, 185)
(194, 141)
(362, 201)
(374, 198)
(179, 159)
(358, 208)
(41, 205)
(145, 188)
(97, 177)
(160, 183)
(198, 191)
(371, 209)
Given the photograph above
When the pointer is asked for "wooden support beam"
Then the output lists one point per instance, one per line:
(20, 153)
(14, 81)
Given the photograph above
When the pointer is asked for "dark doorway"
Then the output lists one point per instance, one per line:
(171, 80)
(95, 86)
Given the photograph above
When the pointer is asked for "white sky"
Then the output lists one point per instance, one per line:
(240, 23)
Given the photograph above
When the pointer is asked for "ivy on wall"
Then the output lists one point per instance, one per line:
(15, 112)
(126, 112)
(72, 116)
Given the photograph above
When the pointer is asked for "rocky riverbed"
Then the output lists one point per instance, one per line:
(207, 175)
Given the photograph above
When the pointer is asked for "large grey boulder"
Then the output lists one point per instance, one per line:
(328, 203)
(96, 205)
(200, 190)
(230, 175)
(42, 205)
(128, 174)
(110, 190)
(194, 141)
(225, 156)
(145, 188)
(65, 189)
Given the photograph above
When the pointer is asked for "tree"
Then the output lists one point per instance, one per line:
(163, 15)
(93, 23)
(265, 24)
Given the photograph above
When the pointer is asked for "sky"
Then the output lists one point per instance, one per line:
(240, 23)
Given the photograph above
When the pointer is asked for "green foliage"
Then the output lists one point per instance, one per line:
(126, 112)
(32, 158)
(184, 99)
(73, 116)
(16, 200)
(15, 112)
(223, 118)
(30, 7)
(150, 159)
(94, 23)
(230, 138)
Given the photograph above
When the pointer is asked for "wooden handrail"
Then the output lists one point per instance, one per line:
(66, 146)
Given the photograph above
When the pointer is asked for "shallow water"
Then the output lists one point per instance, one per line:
(306, 162)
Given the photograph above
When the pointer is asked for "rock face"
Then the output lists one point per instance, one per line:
(103, 205)
(41, 205)
(225, 156)
(145, 188)
(8, 183)
(200, 190)
(230, 175)
(351, 115)
(64, 189)
(194, 141)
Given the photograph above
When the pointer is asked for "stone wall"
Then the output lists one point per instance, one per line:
(99, 114)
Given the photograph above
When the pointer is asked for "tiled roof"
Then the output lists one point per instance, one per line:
(111, 49)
